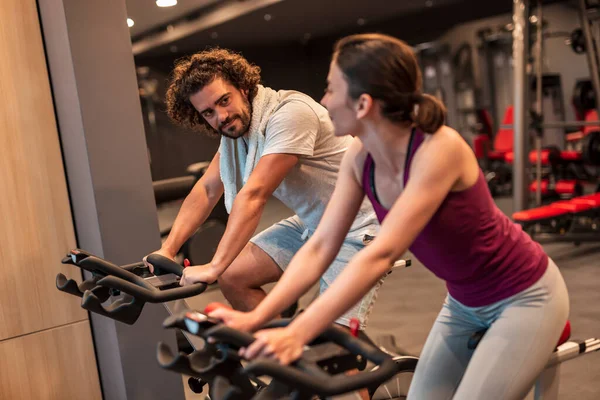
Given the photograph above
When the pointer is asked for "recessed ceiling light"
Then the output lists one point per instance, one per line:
(268, 17)
(173, 49)
(361, 21)
(429, 3)
(130, 22)
(214, 35)
(166, 3)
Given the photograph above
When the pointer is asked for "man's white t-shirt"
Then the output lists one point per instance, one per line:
(301, 126)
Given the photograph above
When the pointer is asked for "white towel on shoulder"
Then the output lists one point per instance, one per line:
(237, 162)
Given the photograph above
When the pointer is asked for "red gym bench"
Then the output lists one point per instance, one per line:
(576, 220)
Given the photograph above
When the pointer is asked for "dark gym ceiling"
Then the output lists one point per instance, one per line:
(194, 24)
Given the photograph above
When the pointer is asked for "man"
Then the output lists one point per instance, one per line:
(277, 143)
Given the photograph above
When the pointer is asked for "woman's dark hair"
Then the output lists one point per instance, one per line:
(386, 68)
(192, 74)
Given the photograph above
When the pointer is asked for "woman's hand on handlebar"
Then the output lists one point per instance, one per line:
(281, 344)
(198, 273)
(242, 321)
(163, 252)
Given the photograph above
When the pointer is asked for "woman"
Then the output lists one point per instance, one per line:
(431, 197)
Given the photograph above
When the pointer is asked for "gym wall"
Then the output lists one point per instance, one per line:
(46, 349)
(92, 74)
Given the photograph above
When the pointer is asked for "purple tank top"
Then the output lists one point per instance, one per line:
(481, 254)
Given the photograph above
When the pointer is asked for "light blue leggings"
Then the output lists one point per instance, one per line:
(523, 330)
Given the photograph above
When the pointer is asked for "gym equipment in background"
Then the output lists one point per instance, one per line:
(438, 78)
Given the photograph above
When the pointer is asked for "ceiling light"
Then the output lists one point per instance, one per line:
(214, 35)
(173, 49)
(166, 3)
(361, 21)
(130, 22)
(429, 3)
(268, 17)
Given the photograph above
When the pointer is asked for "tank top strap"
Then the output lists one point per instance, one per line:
(366, 176)
(416, 139)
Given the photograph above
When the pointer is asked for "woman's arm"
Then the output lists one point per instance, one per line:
(434, 172)
(313, 259)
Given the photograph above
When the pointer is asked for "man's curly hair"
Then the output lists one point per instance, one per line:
(192, 74)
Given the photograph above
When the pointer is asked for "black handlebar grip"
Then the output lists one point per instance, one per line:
(150, 294)
(308, 377)
(341, 337)
(226, 334)
(183, 292)
(75, 256)
(386, 370)
(289, 375)
(321, 383)
(163, 265)
(102, 267)
(122, 310)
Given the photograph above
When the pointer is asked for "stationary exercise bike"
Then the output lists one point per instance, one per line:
(319, 372)
(120, 292)
(395, 388)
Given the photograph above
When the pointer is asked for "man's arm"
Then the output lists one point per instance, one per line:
(248, 207)
(196, 207)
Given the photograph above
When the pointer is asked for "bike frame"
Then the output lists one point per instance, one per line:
(547, 384)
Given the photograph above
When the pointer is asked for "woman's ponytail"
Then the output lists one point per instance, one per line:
(430, 114)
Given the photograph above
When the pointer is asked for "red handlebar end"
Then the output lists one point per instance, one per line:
(213, 306)
(186, 263)
(354, 327)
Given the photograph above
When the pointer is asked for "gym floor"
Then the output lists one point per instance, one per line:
(411, 298)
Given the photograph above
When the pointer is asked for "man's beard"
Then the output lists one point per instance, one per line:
(244, 118)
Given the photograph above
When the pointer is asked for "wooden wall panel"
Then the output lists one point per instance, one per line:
(36, 228)
(56, 364)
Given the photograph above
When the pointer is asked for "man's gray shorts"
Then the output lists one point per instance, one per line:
(282, 240)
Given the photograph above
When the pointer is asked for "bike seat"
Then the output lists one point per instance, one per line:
(477, 336)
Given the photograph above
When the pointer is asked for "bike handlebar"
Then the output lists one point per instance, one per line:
(163, 265)
(132, 279)
(302, 374)
(151, 294)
